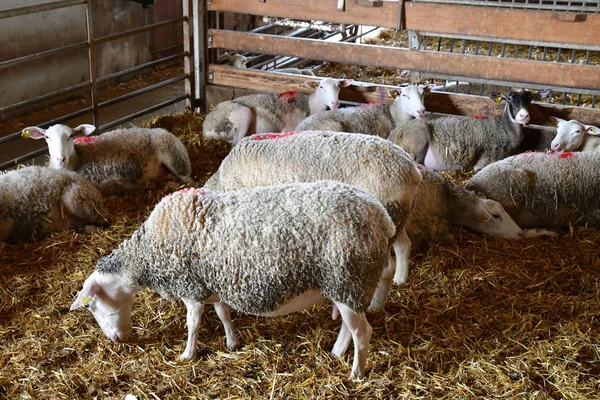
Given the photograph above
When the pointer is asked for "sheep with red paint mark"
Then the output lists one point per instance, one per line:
(116, 161)
(36, 201)
(545, 190)
(232, 120)
(467, 143)
(373, 119)
(265, 251)
(368, 162)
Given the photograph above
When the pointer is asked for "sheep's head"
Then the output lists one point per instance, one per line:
(60, 141)
(489, 217)
(328, 91)
(519, 102)
(570, 135)
(409, 100)
(103, 295)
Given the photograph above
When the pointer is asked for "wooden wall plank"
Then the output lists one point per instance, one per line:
(449, 103)
(449, 19)
(459, 65)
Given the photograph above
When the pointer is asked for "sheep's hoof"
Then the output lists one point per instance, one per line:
(357, 375)
(235, 345)
(187, 356)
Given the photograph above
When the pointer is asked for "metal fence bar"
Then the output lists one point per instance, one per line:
(14, 12)
(142, 67)
(45, 97)
(539, 6)
(141, 91)
(31, 57)
(23, 158)
(89, 14)
(187, 47)
(138, 30)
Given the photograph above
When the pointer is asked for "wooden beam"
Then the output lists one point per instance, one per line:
(443, 19)
(430, 62)
(448, 103)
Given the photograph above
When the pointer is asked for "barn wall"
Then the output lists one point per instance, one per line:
(29, 34)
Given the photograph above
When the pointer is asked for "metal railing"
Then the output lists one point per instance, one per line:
(92, 85)
(551, 5)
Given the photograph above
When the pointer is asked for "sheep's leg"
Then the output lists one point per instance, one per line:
(222, 310)
(342, 342)
(194, 313)
(361, 332)
(6, 227)
(402, 247)
(380, 295)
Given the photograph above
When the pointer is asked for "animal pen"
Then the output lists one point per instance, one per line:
(479, 317)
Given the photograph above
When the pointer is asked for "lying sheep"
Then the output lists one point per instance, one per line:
(466, 143)
(260, 113)
(265, 251)
(297, 71)
(371, 119)
(117, 161)
(240, 61)
(574, 136)
(367, 162)
(36, 201)
(545, 190)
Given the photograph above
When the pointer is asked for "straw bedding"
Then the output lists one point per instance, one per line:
(479, 318)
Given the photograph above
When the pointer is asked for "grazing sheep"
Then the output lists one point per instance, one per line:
(546, 190)
(371, 119)
(264, 251)
(574, 136)
(466, 143)
(260, 113)
(117, 161)
(367, 162)
(36, 201)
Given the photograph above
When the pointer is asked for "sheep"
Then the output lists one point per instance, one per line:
(466, 143)
(545, 190)
(35, 201)
(117, 161)
(441, 203)
(371, 119)
(297, 71)
(574, 136)
(261, 113)
(367, 162)
(265, 251)
(235, 60)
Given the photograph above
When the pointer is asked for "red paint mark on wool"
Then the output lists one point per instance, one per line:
(82, 140)
(370, 104)
(201, 192)
(480, 117)
(567, 154)
(420, 167)
(288, 97)
(271, 136)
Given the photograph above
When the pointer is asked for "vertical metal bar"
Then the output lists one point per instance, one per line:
(187, 61)
(89, 15)
(413, 44)
(199, 54)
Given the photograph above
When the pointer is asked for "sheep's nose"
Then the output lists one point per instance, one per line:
(421, 112)
(335, 104)
(554, 145)
(61, 159)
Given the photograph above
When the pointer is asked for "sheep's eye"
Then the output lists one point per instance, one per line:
(407, 96)
(46, 136)
(87, 305)
(496, 216)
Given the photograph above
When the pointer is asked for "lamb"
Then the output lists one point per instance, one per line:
(265, 251)
(240, 61)
(297, 71)
(546, 190)
(574, 136)
(466, 143)
(366, 162)
(261, 113)
(36, 201)
(372, 119)
(117, 161)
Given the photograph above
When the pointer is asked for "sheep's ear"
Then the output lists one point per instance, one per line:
(312, 84)
(481, 195)
(90, 288)
(497, 96)
(592, 130)
(541, 94)
(86, 129)
(484, 216)
(33, 132)
(426, 88)
(346, 82)
(393, 93)
(556, 120)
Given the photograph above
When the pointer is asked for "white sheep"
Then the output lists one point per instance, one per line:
(35, 201)
(297, 71)
(545, 190)
(466, 143)
(371, 119)
(116, 161)
(264, 251)
(370, 163)
(574, 136)
(261, 113)
(235, 60)
(441, 203)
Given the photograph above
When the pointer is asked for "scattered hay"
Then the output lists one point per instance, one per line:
(479, 318)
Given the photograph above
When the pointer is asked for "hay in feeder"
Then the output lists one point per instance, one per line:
(479, 318)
